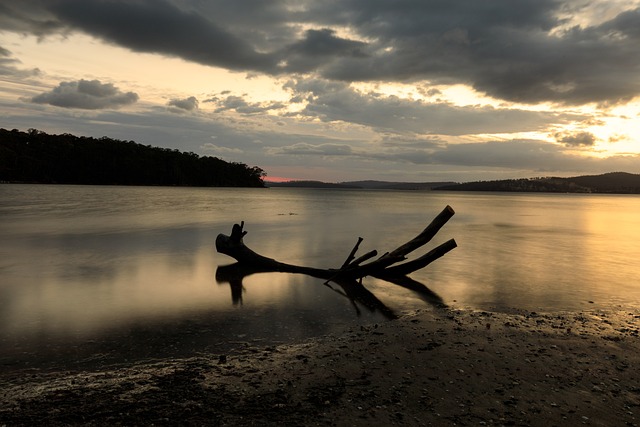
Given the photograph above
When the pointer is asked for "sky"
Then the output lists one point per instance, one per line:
(337, 90)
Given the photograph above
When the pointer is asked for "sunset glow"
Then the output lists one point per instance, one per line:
(425, 95)
(278, 179)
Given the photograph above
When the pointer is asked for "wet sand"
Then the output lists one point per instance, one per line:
(433, 368)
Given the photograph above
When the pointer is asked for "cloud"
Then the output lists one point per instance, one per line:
(528, 51)
(618, 138)
(626, 25)
(242, 106)
(517, 154)
(9, 66)
(510, 158)
(213, 148)
(158, 26)
(516, 51)
(28, 17)
(87, 95)
(324, 42)
(317, 48)
(306, 149)
(524, 51)
(531, 155)
(338, 156)
(576, 139)
(332, 101)
(188, 104)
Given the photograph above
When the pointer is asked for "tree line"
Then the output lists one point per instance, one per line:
(37, 157)
(612, 182)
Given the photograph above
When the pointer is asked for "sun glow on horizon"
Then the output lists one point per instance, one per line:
(278, 179)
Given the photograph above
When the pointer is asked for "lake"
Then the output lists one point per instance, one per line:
(95, 275)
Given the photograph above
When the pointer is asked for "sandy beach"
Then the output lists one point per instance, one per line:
(433, 368)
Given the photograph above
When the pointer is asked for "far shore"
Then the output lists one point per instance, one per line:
(432, 368)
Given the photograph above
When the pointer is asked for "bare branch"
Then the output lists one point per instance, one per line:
(351, 269)
(352, 254)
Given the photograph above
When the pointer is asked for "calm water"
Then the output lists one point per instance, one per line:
(106, 274)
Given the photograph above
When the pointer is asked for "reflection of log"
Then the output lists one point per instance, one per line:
(421, 290)
(234, 246)
(234, 274)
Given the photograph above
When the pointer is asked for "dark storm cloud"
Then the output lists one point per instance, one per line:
(159, 26)
(502, 48)
(516, 50)
(317, 48)
(325, 43)
(154, 26)
(87, 95)
(626, 24)
(29, 17)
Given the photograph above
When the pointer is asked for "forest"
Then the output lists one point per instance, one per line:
(612, 182)
(37, 157)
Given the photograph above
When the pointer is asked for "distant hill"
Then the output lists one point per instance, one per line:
(308, 184)
(36, 157)
(369, 185)
(385, 185)
(613, 182)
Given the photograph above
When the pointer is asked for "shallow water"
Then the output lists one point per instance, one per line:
(100, 274)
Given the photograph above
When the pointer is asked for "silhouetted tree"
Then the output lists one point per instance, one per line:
(37, 157)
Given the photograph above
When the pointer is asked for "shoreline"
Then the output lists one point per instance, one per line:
(431, 367)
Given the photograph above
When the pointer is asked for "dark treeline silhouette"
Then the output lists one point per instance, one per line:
(613, 182)
(36, 157)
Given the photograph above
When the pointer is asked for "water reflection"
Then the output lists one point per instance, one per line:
(354, 291)
(131, 272)
(350, 275)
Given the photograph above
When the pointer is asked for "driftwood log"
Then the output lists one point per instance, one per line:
(389, 267)
(352, 268)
